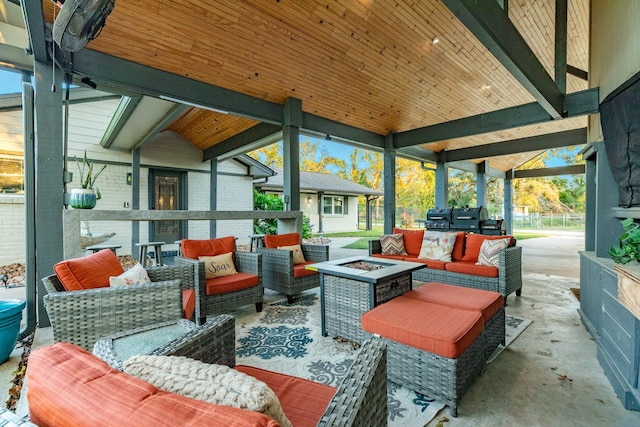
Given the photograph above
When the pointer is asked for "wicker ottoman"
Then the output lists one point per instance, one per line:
(432, 349)
(172, 338)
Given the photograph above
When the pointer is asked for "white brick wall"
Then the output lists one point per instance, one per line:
(12, 233)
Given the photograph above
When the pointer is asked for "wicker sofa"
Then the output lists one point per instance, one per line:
(58, 374)
(83, 316)
(505, 279)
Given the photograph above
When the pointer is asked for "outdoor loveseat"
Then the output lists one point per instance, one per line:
(61, 373)
(504, 278)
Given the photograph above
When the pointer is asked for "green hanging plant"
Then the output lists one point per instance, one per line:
(628, 249)
(89, 180)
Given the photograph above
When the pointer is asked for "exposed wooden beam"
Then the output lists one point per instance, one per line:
(577, 72)
(576, 104)
(476, 168)
(521, 145)
(251, 139)
(418, 153)
(13, 102)
(320, 125)
(117, 72)
(124, 110)
(34, 21)
(560, 67)
(161, 124)
(544, 172)
(492, 27)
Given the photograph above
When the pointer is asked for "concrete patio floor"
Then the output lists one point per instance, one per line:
(549, 376)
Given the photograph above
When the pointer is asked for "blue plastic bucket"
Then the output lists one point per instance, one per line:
(10, 318)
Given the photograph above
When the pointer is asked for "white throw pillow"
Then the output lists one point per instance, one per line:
(490, 251)
(437, 245)
(298, 256)
(217, 384)
(133, 276)
(218, 265)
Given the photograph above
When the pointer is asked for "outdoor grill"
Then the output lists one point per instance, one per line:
(438, 219)
(494, 227)
(468, 219)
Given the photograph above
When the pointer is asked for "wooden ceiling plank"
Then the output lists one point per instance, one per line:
(488, 23)
(241, 140)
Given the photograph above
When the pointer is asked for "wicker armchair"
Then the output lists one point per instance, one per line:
(82, 317)
(361, 396)
(219, 303)
(279, 271)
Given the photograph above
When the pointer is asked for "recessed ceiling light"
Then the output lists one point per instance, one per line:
(486, 87)
(435, 40)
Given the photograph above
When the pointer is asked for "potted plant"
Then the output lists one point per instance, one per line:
(628, 248)
(86, 196)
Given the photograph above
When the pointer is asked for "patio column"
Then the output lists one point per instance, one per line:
(590, 208)
(508, 201)
(442, 185)
(213, 195)
(389, 182)
(291, 154)
(481, 184)
(135, 196)
(320, 211)
(49, 182)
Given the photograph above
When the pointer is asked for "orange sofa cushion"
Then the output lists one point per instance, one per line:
(68, 386)
(397, 257)
(412, 240)
(188, 303)
(272, 241)
(233, 283)
(465, 267)
(89, 272)
(474, 242)
(458, 247)
(486, 302)
(431, 263)
(209, 247)
(434, 328)
(302, 401)
(300, 271)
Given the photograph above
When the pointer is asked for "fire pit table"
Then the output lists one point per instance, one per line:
(351, 286)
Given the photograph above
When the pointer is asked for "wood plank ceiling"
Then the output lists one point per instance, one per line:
(369, 64)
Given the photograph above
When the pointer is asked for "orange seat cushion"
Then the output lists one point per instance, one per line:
(188, 303)
(434, 328)
(471, 268)
(474, 242)
(89, 272)
(412, 240)
(272, 241)
(486, 302)
(300, 271)
(397, 257)
(303, 401)
(209, 247)
(431, 263)
(68, 386)
(232, 283)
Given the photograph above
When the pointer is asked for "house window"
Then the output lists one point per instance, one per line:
(11, 174)
(333, 205)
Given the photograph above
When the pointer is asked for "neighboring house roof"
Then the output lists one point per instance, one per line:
(255, 168)
(319, 182)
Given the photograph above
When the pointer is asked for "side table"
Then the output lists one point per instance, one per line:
(173, 338)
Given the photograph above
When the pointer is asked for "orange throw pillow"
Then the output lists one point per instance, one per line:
(89, 272)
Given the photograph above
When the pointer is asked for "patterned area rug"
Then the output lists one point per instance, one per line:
(287, 338)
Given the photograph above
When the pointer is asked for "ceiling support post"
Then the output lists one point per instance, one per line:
(213, 195)
(481, 184)
(389, 183)
(507, 208)
(291, 153)
(442, 185)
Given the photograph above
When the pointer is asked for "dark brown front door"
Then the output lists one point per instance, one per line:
(166, 194)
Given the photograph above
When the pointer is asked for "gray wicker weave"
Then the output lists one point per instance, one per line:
(205, 343)
(82, 317)
(441, 378)
(509, 278)
(277, 267)
(494, 333)
(207, 305)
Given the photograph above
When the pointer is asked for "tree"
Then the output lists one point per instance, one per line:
(462, 189)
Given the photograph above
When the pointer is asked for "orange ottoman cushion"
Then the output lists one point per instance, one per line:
(68, 386)
(434, 328)
(302, 401)
(89, 272)
(486, 302)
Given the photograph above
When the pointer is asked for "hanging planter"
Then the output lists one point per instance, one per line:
(82, 198)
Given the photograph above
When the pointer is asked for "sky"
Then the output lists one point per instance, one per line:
(10, 82)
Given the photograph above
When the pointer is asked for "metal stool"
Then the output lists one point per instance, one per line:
(257, 241)
(157, 248)
(96, 248)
